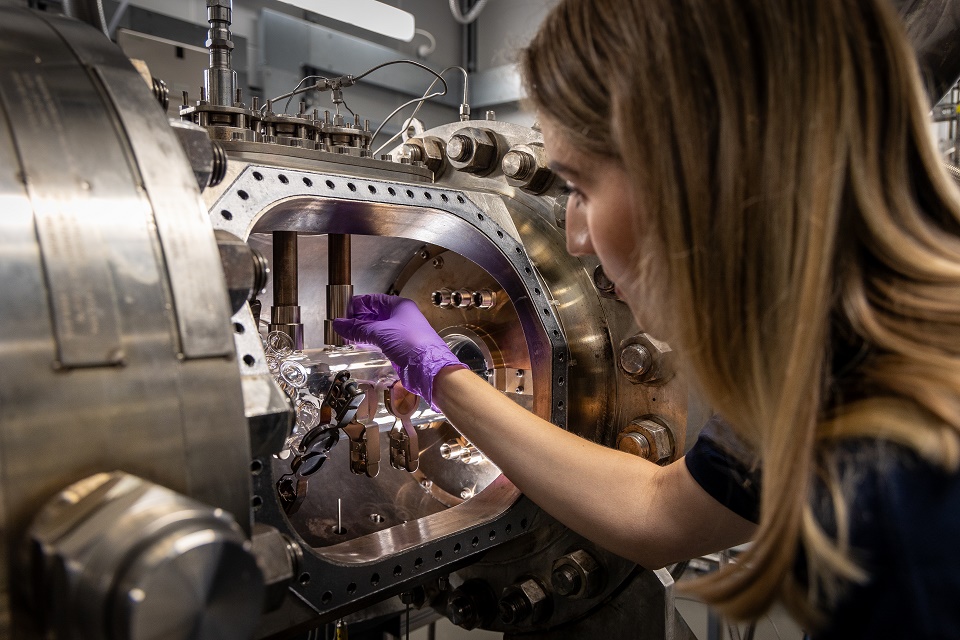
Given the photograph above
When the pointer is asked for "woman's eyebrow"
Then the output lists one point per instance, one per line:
(563, 169)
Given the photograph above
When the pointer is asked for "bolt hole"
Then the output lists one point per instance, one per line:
(351, 186)
(438, 556)
(523, 523)
(371, 189)
(519, 250)
(326, 597)
(340, 531)
(546, 311)
(560, 382)
(330, 184)
(538, 292)
(556, 332)
(444, 197)
(493, 535)
(257, 502)
(257, 176)
(238, 328)
(243, 194)
(352, 588)
(226, 215)
(256, 467)
(249, 360)
(528, 270)
(418, 563)
(500, 234)
(304, 579)
(475, 542)
(409, 193)
(427, 195)
(398, 571)
(560, 357)
(560, 404)
(392, 191)
(457, 548)
(508, 528)
(480, 217)
(375, 579)
(308, 182)
(284, 179)
(460, 199)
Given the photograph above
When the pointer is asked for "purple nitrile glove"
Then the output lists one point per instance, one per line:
(397, 327)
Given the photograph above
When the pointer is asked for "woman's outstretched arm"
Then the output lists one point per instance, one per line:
(650, 514)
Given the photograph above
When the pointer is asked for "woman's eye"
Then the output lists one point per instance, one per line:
(572, 192)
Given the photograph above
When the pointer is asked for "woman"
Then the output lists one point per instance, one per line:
(800, 242)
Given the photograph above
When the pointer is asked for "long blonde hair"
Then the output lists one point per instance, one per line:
(782, 150)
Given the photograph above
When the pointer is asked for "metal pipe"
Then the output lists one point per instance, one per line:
(285, 312)
(220, 80)
(339, 287)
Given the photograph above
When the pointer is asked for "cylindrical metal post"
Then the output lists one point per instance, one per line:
(220, 80)
(339, 288)
(285, 313)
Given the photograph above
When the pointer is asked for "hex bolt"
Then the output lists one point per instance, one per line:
(648, 437)
(646, 360)
(635, 444)
(518, 165)
(566, 581)
(578, 575)
(474, 150)
(604, 285)
(526, 601)
(459, 148)
(635, 359)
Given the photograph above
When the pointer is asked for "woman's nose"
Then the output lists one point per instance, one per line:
(578, 235)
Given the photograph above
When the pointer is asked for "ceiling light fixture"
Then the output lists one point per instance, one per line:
(367, 14)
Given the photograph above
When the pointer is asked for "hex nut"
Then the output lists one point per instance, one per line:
(429, 150)
(659, 438)
(525, 601)
(473, 150)
(578, 575)
(656, 356)
(525, 166)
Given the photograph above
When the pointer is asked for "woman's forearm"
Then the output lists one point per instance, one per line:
(650, 514)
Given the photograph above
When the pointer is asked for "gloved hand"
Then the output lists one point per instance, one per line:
(397, 327)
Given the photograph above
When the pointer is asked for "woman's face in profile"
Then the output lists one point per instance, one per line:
(602, 220)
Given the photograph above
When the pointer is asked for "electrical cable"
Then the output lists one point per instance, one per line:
(472, 15)
(421, 100)
(295, 90)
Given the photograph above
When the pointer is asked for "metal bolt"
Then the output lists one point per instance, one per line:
(438, 263)
(566, 580)
(635, 444)
(635, 359)
(519, 373)
(459, 147)
(424, 254)
(491, 115)
(519, 389)
(517, 164)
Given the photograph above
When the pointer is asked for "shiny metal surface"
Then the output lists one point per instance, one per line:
(68, 406)
(181, 570)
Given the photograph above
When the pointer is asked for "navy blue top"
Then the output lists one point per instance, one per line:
(905, 531)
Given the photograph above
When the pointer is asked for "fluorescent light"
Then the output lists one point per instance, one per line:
(367, 14)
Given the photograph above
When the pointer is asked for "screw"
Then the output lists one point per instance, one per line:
(438, 263)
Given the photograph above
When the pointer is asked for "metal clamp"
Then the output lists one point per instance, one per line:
(404, 444)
